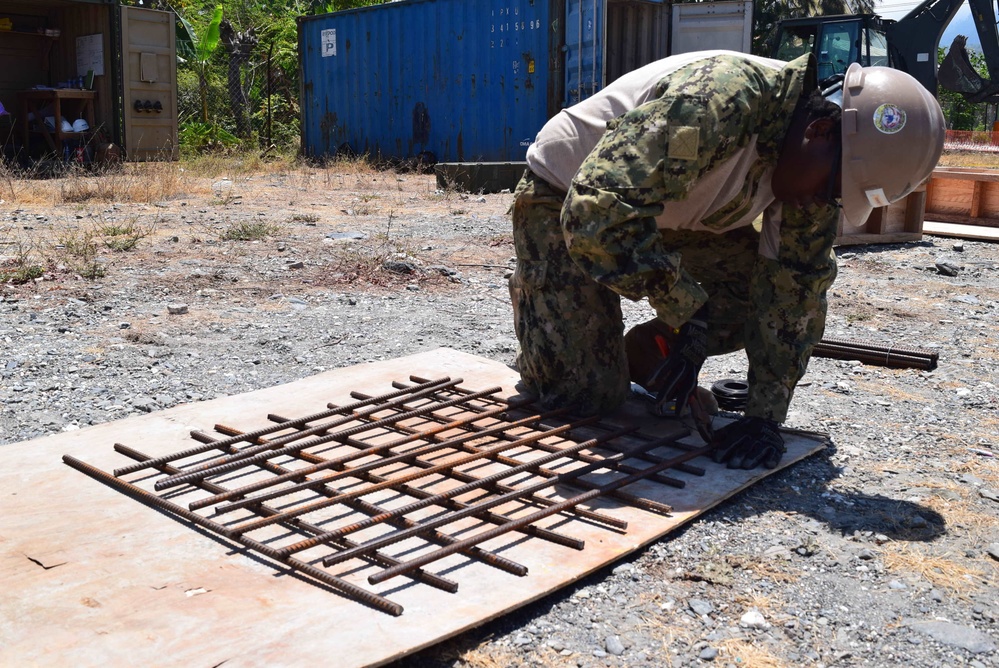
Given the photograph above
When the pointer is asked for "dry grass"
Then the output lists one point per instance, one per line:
(942, 570)
(744, 652)
(962, 513)
(761, 567)
(156, 181)
(985, 468)
(969, 159)
(487, 655)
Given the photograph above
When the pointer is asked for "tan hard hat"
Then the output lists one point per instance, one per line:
(893, 134)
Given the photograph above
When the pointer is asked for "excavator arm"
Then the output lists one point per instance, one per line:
(913, 42)
(956, 72)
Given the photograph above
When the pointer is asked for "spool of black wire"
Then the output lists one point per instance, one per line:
(731, 394)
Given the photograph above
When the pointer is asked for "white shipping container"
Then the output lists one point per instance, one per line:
(700, 26)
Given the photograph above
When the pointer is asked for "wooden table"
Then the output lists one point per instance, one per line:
(72, 103)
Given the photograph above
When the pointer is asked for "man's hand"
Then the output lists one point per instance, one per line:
(675, 380)
(749, 442)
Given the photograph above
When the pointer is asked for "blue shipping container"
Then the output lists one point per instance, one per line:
(461, 80)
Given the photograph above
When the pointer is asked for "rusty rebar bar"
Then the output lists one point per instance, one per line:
(374, 600)
(346, 471)
(528, 519)
(889, 356)
(440, 496)
(410, 458)
(364, 473)
(637, 501)
(367, 450)
(379, 558)
(317, 505)
(483, 555)
(389, 539)
(649, 457)
(263, 431)
(623, 468)
(267, 452)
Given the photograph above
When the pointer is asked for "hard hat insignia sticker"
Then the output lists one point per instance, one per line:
(877, 197)
(889, 119)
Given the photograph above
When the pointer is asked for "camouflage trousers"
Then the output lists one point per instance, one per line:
(571, 329)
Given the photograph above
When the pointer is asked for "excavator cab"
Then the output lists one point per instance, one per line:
(908, 44)
(835, 41)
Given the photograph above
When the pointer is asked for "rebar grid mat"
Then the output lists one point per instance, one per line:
(364, 490)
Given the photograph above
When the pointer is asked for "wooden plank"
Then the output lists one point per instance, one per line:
(965, 173)
(964, 196)
(915, 206)
(942, 229)
(889, 238)
(952, 197)
(976, 200)
(90, 576)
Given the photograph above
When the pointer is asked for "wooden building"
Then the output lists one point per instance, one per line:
(77, 75)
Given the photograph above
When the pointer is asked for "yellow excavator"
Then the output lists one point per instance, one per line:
(908, 44)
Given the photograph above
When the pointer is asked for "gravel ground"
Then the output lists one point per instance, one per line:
(882, 550)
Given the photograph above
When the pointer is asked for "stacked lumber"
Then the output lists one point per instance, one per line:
(963, 202)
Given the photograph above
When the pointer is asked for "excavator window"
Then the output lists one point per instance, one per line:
(837, 48)
(835, 44)
(875, 49)
(795, 41)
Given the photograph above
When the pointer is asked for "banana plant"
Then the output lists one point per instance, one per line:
(200, 50)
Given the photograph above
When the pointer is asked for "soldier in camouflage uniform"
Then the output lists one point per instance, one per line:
(650, 189)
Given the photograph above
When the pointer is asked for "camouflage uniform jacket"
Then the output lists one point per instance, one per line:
(700, 156)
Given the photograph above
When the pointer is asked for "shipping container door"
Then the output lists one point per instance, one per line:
(585, 27)
(430, 80)
(149, 84)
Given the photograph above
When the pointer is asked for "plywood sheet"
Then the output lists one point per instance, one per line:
(93, 577)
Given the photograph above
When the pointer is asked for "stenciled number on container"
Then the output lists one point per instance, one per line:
(508, 26)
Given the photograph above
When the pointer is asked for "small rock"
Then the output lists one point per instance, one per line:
(614, 645)
(777, 552)
(398, 267)
(622, 569)
(296, 265)
(347, 236)
(993, 551)
(700, 606)
(955, 635)
(947, 268)
(753, 620)
(958, 246)
(176, 309)
(988, 494)
(708, 654)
